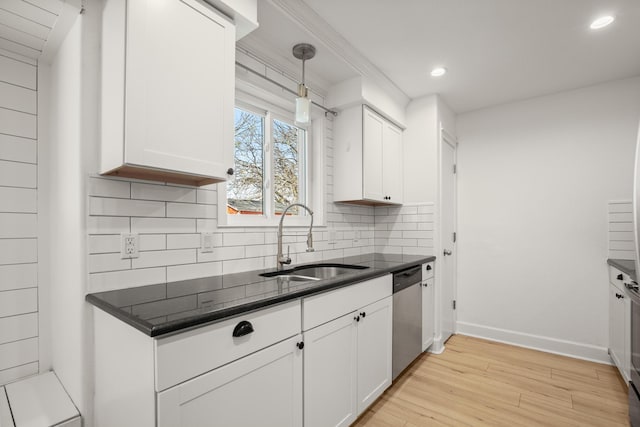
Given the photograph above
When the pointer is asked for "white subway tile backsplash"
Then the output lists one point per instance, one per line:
(125, 207)
(18, 276)
(223, 253)
(99, 282)
(18, 327)
(206, 225)
(107, 225)
(18, 251)
(153, 242)
(18, 149)
(19, 301)
(193, 271)
(240, 265)
(621, 217)
(163, 258)
(242, 239)
(100, 244)
(163, 225)
(185, 241)
(18, 353)
(207, 197)
(22, 200)
(14, 174)
(109, 188)
(622, 246)
(163, 193)
(108, 262)
(621, 226)
(17, 225)
(189, 210)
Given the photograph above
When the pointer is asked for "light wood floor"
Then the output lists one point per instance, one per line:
(483, 383)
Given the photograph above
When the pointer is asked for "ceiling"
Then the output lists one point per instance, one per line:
(495, 51)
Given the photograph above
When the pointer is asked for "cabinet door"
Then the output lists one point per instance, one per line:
(428, 313)
(392, 163)
(616, 327)
(330, 373)
(262, 389)
(373, 134)
(180, 64)
(374, 351)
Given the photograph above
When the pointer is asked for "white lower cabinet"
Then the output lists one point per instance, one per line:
(263, 389)
(619, 323)
(347, 365)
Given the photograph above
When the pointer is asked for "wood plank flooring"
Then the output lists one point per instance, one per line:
(484, 383)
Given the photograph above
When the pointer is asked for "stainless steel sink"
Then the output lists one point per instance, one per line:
(295, 278)
(315, 271)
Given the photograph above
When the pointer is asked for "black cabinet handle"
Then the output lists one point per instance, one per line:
(619, 277)
(357, 318)
(426, 285)
(300, 345)
(230, 171)
(243, 328)
(429, 267)
(363, 314)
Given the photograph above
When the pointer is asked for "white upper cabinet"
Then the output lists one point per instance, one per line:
(367, 158)
(167, 91)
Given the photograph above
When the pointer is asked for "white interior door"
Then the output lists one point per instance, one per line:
(448, 227)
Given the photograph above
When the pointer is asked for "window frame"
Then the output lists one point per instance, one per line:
(314, 167)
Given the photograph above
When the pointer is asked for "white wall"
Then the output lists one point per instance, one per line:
(534, 179)
(19, 315)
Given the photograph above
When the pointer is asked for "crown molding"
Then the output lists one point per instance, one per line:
(307, 18)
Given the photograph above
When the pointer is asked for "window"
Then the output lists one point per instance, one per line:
(270, 167)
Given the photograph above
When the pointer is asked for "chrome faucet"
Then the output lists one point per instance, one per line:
(281, 259)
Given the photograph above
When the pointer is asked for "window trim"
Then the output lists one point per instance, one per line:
(315, 162)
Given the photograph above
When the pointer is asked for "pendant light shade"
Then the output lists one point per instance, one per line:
(303, 51)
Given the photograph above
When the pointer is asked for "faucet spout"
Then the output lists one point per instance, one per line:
(281, 259)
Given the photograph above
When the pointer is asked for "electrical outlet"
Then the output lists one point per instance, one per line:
(129, 245)
(206, 242)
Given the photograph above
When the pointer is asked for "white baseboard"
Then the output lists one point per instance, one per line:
(536, 342)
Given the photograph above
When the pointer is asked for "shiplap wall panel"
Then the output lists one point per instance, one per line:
(18, 98)
(18, 149)
(18, 353)
(17, 123)
(18, 216)
(16, 328)
(16, 72)
(621, 235)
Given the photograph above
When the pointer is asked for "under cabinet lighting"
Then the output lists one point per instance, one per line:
(602, 22)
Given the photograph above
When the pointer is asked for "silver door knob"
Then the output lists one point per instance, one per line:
(447, 252)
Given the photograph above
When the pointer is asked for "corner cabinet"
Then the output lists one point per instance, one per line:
(367, 158)
(619, 322)
(168, 79)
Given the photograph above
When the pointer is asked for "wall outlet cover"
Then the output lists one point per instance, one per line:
(129, 245)
(206, 242)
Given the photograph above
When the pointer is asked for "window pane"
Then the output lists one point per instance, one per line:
(288, 166)
(245, 188)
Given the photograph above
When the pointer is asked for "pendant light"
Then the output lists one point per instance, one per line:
(303, 51)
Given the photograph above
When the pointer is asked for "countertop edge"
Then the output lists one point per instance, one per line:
(183, 325)
(620, 265)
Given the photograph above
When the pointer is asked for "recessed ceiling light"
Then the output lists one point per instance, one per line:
(439, 71)
(602, 22)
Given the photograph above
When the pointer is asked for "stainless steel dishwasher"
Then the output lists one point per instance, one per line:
(407, 318)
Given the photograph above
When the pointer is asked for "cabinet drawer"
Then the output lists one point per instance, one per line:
(427, 270)
(322, 308)
(614, 273)
(192, 353)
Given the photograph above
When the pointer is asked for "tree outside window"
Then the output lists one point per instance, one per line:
(270, 166)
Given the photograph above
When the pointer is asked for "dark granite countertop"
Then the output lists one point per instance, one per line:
(171, 307)
(625, 265)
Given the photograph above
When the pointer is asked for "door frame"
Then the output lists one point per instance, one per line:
(444, 137)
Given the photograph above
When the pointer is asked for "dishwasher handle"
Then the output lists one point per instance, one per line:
(405, 278)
